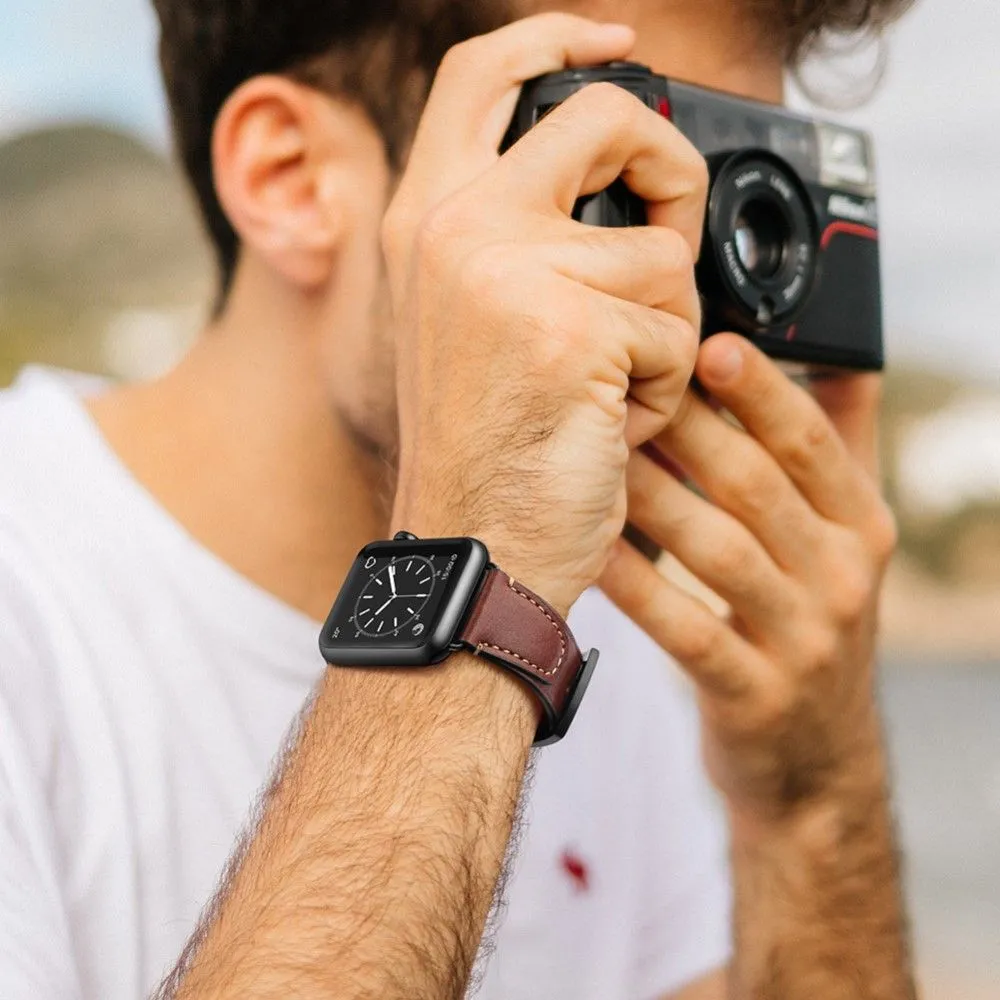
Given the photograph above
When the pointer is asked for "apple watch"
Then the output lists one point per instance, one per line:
(413, 602)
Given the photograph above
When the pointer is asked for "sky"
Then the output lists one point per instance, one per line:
(936, 118)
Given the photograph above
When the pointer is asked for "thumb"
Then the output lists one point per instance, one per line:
(852, 403)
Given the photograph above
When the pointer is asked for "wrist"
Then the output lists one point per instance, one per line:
(462, 706)
(854, 792)
(544, 580)
(420, 602)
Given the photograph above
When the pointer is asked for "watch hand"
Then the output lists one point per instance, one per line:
(384, 606)
(392, 578)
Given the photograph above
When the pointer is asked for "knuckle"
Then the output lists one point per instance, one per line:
(851, 592)
(775, 705)
(749, 483)
(612, 103)
(695, 167)
(687, 342)
(462, 58)
(700, 645)
(549, 344)
(673, 252)
(440, 227)
(652, 328)
(884, 533)
(812, 438)
(817, 650)
(817, 432)
(702, 175)
(734, 559)
(691, 169)
(482, 273)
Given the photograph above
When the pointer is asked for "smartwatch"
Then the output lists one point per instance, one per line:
(413, 602)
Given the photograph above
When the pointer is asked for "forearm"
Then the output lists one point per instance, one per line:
(374, 865)
(819, 913)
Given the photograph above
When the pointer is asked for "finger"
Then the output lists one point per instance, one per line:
(790, 425)
(647, 353)
(717, 549)
(476, 88)
(715, 657)
(600, 133)
(739, 475)
(852, 403)
(648, 265)
(651, 305)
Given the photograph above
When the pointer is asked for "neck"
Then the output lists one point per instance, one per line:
(241, 444)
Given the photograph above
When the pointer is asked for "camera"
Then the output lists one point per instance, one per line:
(790, 253)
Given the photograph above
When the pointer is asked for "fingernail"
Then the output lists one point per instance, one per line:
(724, 361)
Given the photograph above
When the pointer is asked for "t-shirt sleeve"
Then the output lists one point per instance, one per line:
(36, 954)
(685, 924)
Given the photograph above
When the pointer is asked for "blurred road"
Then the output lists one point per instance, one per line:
(944, 727)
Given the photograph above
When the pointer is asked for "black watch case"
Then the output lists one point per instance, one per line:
(403, 602)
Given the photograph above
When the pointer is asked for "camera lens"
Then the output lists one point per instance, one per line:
(761, 237)
(761, 242)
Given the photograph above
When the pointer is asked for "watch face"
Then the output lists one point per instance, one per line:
(396, 594)
(403, 602)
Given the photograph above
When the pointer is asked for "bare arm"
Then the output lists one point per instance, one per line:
(380, 846)
(374, 867)
(819, 911)
(793, 534)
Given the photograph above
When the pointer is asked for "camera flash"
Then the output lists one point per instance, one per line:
(846, 159)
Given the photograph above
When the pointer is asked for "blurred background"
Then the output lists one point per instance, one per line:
(103, 269)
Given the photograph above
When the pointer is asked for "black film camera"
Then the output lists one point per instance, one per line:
(790, 255)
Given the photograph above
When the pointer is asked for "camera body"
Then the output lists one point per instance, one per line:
(790, 254)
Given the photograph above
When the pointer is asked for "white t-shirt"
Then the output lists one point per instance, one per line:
(146, 687)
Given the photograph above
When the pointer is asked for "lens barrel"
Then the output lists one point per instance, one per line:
(761, 240)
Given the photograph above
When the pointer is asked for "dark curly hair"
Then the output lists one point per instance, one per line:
(381, 53)
(804, 23)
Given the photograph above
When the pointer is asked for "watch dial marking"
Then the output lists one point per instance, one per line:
(401, 591)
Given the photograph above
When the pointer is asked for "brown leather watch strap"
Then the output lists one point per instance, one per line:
(517, 630)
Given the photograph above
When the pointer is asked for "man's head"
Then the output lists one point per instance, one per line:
(266, 98)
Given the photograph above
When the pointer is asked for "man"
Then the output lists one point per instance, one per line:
(169, 549)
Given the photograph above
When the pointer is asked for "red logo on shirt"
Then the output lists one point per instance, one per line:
(576, 868)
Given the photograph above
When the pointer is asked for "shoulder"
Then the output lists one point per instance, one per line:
(60, 500)
(41, 500)
(41, 427)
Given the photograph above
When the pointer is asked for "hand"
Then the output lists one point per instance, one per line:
(535, 350)
(795, 537)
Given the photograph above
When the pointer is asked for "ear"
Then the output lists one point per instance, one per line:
(285, 158)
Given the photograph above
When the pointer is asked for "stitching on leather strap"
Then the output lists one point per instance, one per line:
(517, 656)
(552, 622)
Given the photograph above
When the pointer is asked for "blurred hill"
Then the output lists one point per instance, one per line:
(103, 268)
(99, 234)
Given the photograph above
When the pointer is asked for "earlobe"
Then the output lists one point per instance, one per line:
(273, 170)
